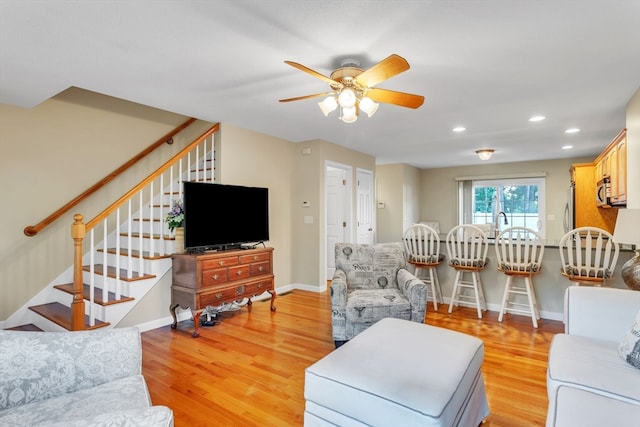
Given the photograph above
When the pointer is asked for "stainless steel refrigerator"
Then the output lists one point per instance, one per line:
(569, 220)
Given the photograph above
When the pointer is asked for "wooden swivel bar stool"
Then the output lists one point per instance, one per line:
(467, 247)
(422, 250)
(519, 253)
(588, 256)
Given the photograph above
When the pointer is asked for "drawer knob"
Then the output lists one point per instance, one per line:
(218, 296)
(215, 277)
(255, 257)
(221, 262)
(239, 272)
(239, 290)
(259, 285)
(260, 268)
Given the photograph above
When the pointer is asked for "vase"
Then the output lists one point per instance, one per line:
(179, 239)
(631, 272)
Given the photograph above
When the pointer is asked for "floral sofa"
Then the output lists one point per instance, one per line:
(370, 283)
(84, 378)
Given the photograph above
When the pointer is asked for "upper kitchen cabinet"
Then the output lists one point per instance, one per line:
(586, 211)
(619, 169)
(612, 163)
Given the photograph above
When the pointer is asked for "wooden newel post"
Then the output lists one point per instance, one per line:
(77, 305)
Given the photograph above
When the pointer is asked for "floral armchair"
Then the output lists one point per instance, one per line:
(370, 283)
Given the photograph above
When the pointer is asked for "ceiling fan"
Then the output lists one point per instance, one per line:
(353, 88)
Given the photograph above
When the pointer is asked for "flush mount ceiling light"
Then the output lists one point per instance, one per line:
(537, 118)
(485, 153)
(353, 91)
(459, 129)
(572, 130)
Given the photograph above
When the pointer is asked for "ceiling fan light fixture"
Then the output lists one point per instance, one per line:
(349, 115)
(328, 105)
(347, 98)
(350, 85)
(368, 106)
(485, 153)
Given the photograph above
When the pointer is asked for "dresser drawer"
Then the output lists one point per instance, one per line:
(214, 276)
(259, 287)
(239, 272)
(259, 268)
(246, 259)
(219, 262)
(222, 296)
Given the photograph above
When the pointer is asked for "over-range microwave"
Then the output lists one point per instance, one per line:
(603, 193)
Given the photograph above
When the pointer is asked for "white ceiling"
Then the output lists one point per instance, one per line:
(487, 65)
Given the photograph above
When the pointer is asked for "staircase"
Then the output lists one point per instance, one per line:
(120, 254)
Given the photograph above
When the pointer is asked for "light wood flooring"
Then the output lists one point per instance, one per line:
(249, 369)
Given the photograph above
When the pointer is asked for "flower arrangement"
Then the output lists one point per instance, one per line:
(175, 217)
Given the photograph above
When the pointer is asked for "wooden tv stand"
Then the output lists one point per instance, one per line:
(211, 279)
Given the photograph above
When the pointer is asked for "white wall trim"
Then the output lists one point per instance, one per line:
(502, 176)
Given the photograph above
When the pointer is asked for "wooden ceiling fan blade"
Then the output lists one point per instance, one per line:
(383, 70)
(299, 98)
(313, 73)
(402, 99)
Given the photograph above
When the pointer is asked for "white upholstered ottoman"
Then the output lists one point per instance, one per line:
(399, 373)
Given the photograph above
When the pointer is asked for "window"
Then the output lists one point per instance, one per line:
(521, 200)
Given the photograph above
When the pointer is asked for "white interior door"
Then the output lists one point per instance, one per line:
(337, 192)
(365, 207)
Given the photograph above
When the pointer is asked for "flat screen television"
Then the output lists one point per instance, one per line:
(219, 216)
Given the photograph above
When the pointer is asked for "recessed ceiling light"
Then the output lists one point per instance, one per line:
(567, 147)
(537, 118)
(459, 129)
(572, 130)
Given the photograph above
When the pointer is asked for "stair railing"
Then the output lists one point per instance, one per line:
(142, 234)
(32, 230)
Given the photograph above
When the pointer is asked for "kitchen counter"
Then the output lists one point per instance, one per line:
(549, 284)
(548, 243)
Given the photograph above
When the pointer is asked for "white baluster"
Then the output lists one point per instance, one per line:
(188, 166)
(130, 240)
(118, 284)
(140, 242)
(151, 216)
(162, 215)
(198, 168)
(92, 280)
(105, 286)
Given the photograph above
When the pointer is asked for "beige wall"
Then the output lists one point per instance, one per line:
(412, 195)
(258, 160)
(633, 151)
(390, 202)
(309, 248)
(440, 197)
(50, 154)
(399, 188)
(246, 158)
